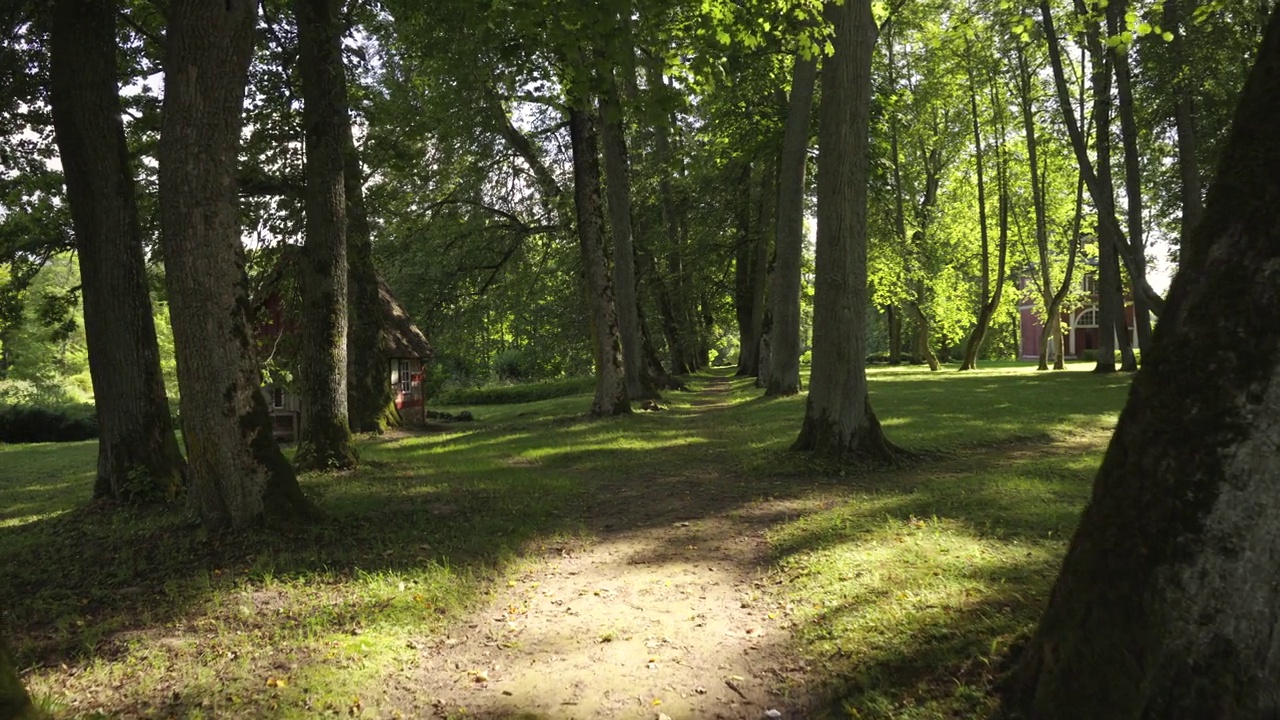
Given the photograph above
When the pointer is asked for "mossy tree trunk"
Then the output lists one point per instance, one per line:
(15, 704)
(1168, 600)
(325, 439)
(783, 376)
(611, 386)
(838, 418)
(370, 405)
(138, 456)
(237, 474)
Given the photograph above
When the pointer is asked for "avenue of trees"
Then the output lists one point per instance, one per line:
(625, 187)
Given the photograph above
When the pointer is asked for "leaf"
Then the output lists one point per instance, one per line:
(1144, 28)
(1168, 36)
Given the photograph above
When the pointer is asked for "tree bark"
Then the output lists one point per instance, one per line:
(784, 295)
(138, 456)
(324, 442)
(237, 473)
(370, 405)
(839, 421)
(611, 386)
(618, 186)
(1169, 596)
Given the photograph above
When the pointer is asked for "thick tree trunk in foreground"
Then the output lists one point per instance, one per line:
(370, 405)
(1168, 602)
(611, 385)
(325, 440)
(138, 456)
(15, 704)
(784, 295)
(236, 471)
(618, 186)
(838, 420)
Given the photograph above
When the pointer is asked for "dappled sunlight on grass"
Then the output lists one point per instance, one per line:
(35, 481)
(892, 576)
(909, 590)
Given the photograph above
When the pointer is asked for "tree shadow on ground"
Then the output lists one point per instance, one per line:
(448, 512)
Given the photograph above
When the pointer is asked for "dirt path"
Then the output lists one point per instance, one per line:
(661, 618)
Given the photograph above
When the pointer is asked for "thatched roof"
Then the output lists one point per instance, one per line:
(276, 306)
(403, 339)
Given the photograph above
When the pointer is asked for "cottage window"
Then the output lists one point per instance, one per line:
(277, 397)
(1088, 318)
(406, 378)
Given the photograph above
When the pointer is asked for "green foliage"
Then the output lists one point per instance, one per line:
(25, 423)
(504, 394)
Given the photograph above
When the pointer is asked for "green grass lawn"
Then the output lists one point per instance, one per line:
(903, 586)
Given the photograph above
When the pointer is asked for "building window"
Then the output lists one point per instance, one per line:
(1088, 318)
(1090, 283)
(277, 397)
(406, 378)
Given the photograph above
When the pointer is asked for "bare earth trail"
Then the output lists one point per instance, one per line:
(665, 615)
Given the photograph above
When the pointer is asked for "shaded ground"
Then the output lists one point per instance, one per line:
(535, 564)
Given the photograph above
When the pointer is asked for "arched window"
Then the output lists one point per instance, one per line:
(1088, 318)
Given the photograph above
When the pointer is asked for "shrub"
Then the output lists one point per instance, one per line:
(498, 394)
(513, 365)
(34, 423)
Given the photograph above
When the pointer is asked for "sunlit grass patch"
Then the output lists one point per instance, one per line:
(903, 588)
(908, 591)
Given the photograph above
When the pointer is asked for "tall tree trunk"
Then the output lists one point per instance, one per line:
(990, 299)
(751, 267)
(325, 440)
(15, 704)
(784, 295)
(760, 265)
(1109, 229)
(839, 421)
(1169, 594)
(138, 456)
(1110, 291)
(611, 385)
(1026, 103)
(893, 316)
(618, 186)
(237, 473)
(370, 404)
(1184, 125)
(743, 274)
(924, 348)
(1132, 172)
